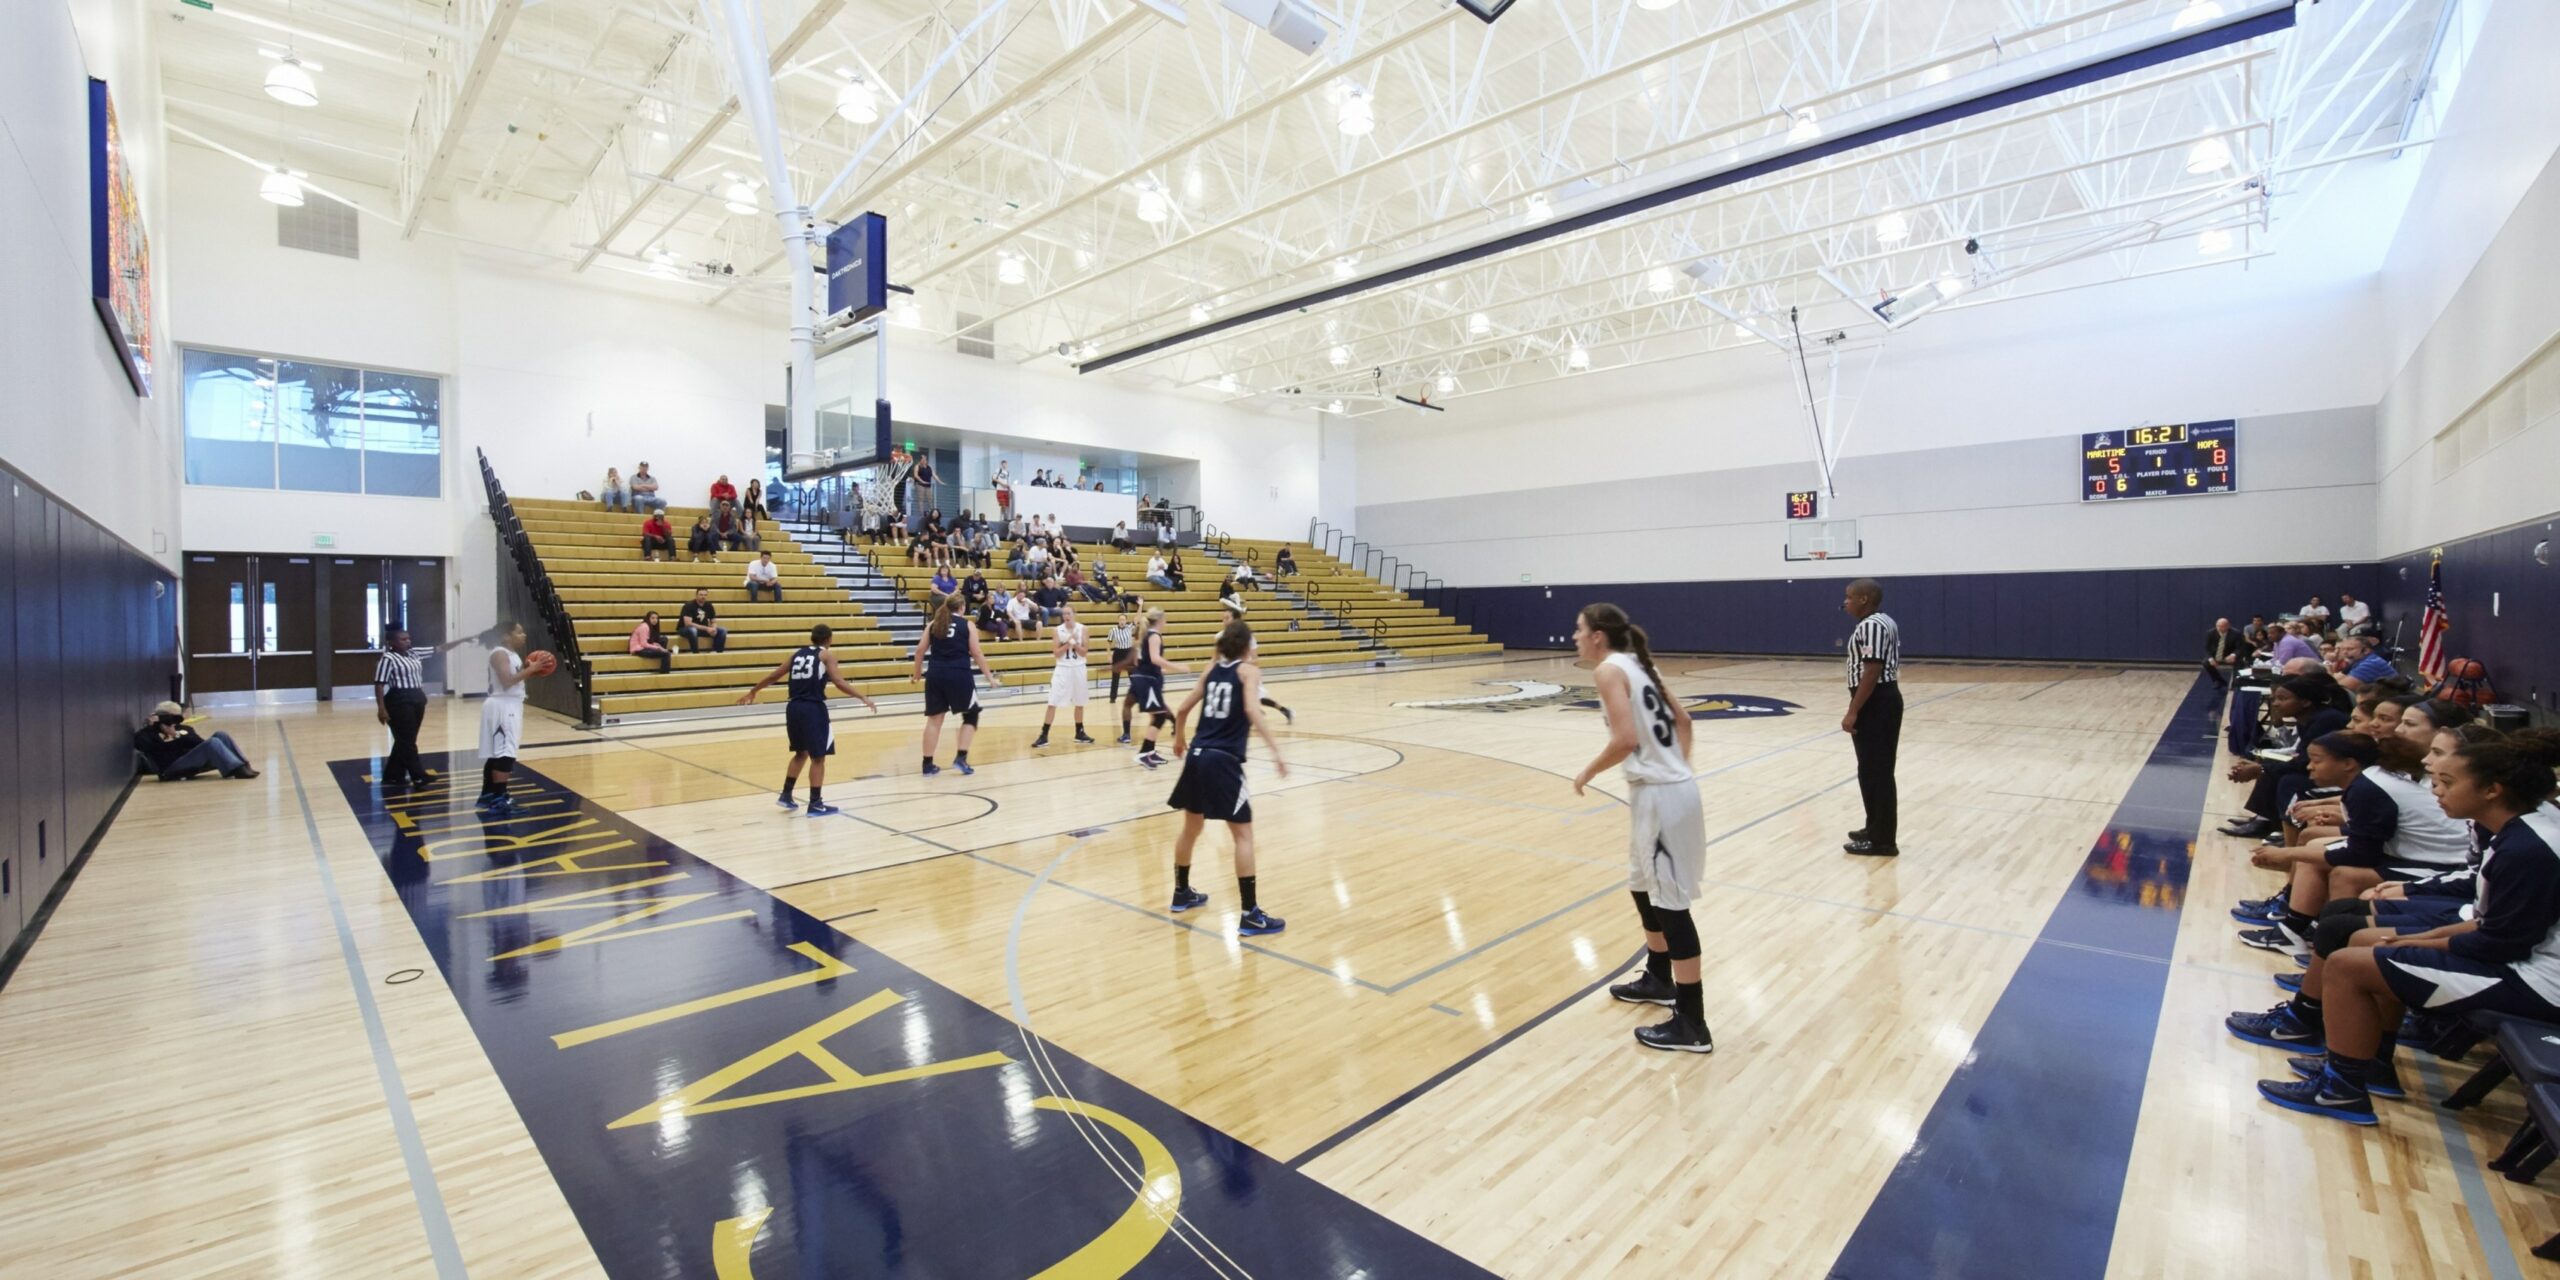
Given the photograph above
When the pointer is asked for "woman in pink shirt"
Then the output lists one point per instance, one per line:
(649, 641)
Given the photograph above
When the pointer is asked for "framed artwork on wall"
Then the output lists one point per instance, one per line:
(119, 248)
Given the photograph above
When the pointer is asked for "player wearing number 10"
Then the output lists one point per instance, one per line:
(1667, 838)
(1212, 784)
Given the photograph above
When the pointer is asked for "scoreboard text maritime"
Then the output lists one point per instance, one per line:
(2160, 462)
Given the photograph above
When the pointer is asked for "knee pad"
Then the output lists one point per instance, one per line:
(2339, 922)
(970, 717)
(1679, 931)
(1645, 912)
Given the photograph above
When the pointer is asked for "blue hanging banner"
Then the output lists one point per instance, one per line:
(858, 267)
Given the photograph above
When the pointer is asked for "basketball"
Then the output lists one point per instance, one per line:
(2468, 669)
(542, 662)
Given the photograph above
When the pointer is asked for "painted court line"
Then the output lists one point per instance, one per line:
(395, 1094)
(2495, 1246)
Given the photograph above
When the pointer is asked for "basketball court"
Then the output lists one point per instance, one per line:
(501, 431)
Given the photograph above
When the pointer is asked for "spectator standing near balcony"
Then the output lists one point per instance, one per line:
(920, 491)
(617, 496)
(644, 490)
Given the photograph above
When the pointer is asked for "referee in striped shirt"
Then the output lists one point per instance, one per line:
(1874, 722)
(400, 701)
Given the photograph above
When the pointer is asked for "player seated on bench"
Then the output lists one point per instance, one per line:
(2506, 959)
(2392, 829)
(2315, 705)
(2314, 818)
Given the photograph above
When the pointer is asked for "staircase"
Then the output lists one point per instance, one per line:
(878, 594)
(1313, 613)
(1382, 615)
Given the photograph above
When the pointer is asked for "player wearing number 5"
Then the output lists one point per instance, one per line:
(1212, 784)
(811, 668)
(1874, 721)
(1667, 836)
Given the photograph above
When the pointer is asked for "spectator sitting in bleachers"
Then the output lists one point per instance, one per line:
(1017, 612)
(617, 495)
(1232, 602)
(982, 545)
(2256, 633)
(753, 507)
(1035, 559)
(2224, 652)
(1157, 571)
(2316, 616)
(748, 534)
(722, 491)
(703, 543)
(973, 594)
(2354, 616)
(700, 618)
(1173, 569)
(1120, 536)
(1051, 599)
(2363, 668)
(648, 640)
(1248, 572)
(1284, 565)
(726, 526)
(657, 537)
(2292, 644)
(763, 575)
(644, 490)
(943, 582)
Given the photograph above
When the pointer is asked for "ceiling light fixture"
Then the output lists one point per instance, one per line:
(907, 313)
(1339, 356)
(1577, 359)
(1199, 313)
(1656, 4)
(2196, 15)
(741, 197)
(1227, 383)
(1152, 206)
(1539, 210)
(1952, 285)
(289, 83)
(1892, 228)
(1335, 407)
(2213, 155)
(857, 101)
(1805, 129)
(2214, 240)
(1356, 116)
(1009, 269)
(1345, 267)
(281, 188)
(1445, 384)
(1479, 324)
(1660, 280)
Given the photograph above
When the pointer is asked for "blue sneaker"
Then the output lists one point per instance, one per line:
(963, 767)
(502, 807)
(1151, 759)
(2290, 981)
(2277, 1028)
(2308, 1067)
(2259, 911)
(1260, 921)
(932, 769)
(2330, 1095)
(1186, 899)
(488, 798)
(1122, 740)
(786, 802)
(820, 809)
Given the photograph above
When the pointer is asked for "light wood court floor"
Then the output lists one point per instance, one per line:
(192, 1089)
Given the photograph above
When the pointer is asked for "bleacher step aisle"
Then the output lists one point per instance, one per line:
(862, 583)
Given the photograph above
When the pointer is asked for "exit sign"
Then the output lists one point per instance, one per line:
(324, 540)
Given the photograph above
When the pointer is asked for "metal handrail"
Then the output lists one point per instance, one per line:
(546, 597)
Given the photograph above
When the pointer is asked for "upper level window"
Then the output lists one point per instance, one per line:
(260, 422)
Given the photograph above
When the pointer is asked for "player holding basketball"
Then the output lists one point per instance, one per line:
(1649, 731)
(1146, 688)
(810, 668)
(1068, 681)
(502, 719)
(1212, 782)
(948, 661)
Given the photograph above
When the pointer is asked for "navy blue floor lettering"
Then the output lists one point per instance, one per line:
(706, 1068)
(2020, 1165)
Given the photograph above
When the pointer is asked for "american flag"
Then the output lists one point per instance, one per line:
(2433, 626)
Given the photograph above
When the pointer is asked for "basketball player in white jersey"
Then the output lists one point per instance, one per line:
(1067, 682)
(502, 721)
(1649, 733)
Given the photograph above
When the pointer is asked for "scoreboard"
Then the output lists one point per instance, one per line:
(2160, 462)
(1803, 504)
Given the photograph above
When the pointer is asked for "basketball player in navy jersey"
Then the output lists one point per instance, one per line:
(948, 661)
(810, 668)
(1146, 688)
(1212, 783)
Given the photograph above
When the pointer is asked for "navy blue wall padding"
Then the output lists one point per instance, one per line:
(2521, 644)
(2111, 615)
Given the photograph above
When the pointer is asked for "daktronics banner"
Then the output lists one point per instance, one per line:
(858, 267)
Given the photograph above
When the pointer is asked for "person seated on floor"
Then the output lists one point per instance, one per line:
(2392, 829)
(763, 575)
(657, 537)
(177, 753)
(649, 640)
(2378, 914)
(2315, 705)
(2506, 959)
(704, 542)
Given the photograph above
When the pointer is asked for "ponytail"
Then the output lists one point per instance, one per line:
(1625, 636)
(2520, 765)
(941, 613)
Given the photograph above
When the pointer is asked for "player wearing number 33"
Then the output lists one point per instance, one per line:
(1667, 839)
(811, 668)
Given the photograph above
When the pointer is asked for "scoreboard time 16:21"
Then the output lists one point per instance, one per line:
(2160, 462)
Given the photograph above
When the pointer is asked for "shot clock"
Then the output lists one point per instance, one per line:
(2168, 461)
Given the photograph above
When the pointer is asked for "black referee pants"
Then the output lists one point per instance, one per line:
(407, 709)
(1877, 737)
